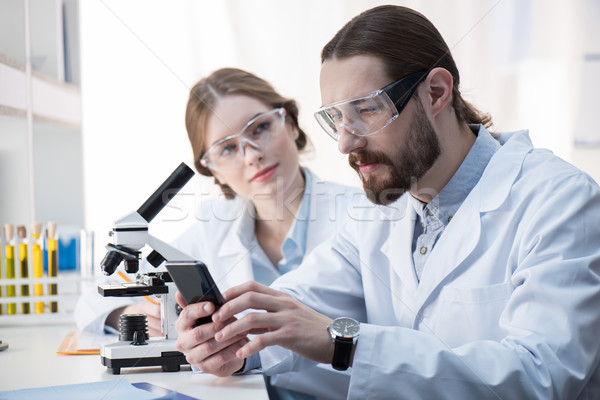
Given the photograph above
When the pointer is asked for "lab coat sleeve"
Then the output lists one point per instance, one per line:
(92, 309)
(550, 347)
(328, 281)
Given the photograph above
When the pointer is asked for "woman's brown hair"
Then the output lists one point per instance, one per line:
(228, 81)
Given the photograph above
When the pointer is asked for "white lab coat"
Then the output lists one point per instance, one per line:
(214, 240)
(508, 306)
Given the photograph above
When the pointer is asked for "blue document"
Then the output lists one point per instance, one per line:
(106, 390)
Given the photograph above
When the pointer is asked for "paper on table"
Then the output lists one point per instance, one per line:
(77, 343)
(167, 393)
(106, 390)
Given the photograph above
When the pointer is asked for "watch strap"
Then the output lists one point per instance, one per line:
(341, 353)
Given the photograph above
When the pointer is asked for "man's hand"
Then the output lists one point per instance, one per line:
(198, 342)
(287, 323)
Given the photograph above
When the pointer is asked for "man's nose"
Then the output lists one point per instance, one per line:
(349, 142)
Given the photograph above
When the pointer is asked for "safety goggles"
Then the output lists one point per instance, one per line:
(364, 116)
(228, 153)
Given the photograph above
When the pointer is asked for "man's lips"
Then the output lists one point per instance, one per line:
(366, 168)
(264, 173)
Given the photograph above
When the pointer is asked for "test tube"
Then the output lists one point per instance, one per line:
(52, 263)
(24, 264)
(37, 255)
(9, 249)
(1, 308)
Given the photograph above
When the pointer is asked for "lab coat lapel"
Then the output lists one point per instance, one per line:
(454, 245)
(233, 257)
(234, 269)
(462, 234)
(398, 248)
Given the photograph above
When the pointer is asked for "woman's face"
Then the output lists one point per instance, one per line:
(264, 171)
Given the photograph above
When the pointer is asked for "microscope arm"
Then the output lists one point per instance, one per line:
(168, 252)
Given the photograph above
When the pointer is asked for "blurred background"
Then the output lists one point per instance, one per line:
(93, 93)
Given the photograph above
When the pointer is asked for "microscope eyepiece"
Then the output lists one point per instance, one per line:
(165, 192)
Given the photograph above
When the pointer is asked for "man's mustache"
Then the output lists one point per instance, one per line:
(367, 157)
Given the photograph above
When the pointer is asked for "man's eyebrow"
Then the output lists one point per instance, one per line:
(358, 101)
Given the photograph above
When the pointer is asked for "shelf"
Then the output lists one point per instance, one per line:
(52, 101)
(12, 86)
(41, 152)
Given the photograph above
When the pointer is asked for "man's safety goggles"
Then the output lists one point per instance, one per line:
(367, 115)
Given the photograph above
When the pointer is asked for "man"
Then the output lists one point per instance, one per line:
(483, 282)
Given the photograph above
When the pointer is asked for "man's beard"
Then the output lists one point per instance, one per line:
(408, 164)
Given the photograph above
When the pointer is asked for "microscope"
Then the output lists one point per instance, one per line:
(129, 236)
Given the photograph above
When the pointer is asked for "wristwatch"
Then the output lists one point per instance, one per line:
(344, 334)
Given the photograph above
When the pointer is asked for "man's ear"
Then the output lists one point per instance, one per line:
(438, 87)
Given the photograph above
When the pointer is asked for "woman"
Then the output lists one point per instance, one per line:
(246, 136)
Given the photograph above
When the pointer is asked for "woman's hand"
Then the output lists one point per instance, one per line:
(152, 311)
(143, 307)
(198, 342)
(287, 323)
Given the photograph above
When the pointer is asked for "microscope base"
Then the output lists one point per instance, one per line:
(159, 352)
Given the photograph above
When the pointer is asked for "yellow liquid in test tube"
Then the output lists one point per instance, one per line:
(11, 290)
(9, 253)
(53, 271)
(38, 266)
(1, 308)
(52, 263)
(25, 306)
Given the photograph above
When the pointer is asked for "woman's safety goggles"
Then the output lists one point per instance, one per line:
(228, 153)
(368, 115)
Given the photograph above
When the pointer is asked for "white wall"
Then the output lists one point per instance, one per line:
(519, 60)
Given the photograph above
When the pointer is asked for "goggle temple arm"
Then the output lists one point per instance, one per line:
(402, 90)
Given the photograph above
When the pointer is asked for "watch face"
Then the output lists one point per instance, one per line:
(345, 327)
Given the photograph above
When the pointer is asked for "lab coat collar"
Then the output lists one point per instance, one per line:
(466, 225)
(396, 210)
(503, 169)
(241, 232)
(241, 229)
(232, 257)
(398, 248)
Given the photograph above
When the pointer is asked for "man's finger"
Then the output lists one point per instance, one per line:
(252, 322)
(190, 314)
(249, 286)
(252, 300)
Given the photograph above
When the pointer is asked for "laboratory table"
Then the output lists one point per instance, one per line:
(31, 361)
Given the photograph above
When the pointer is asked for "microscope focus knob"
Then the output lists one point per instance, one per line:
(133, 328)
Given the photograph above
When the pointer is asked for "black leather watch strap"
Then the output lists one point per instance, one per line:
(341, 353)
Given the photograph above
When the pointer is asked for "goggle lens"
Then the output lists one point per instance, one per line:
(228, 153)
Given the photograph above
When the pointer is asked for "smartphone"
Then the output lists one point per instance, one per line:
(195, 284)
